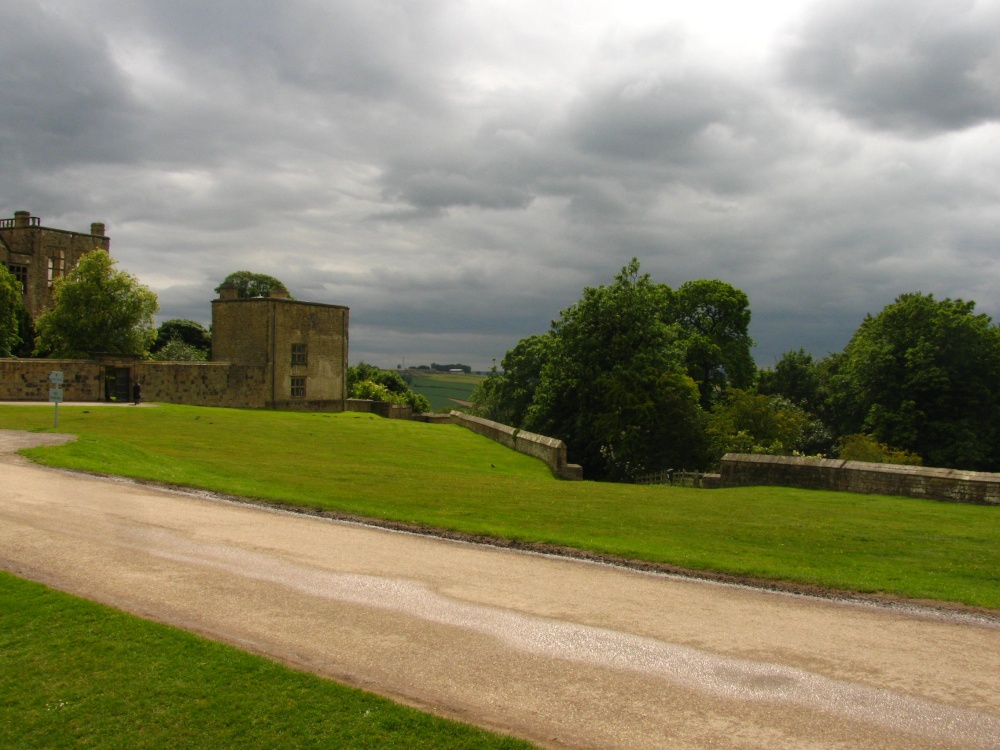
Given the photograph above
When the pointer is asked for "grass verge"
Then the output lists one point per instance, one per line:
(77, 674)
(446, 477)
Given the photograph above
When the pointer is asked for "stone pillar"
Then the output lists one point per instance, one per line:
(229, 291)
(22, 218)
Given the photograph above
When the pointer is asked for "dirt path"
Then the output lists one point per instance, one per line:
(563, 652)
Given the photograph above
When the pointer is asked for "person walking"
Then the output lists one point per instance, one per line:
(136, 393)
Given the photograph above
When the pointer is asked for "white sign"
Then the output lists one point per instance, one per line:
(56, 395)
(56, 378)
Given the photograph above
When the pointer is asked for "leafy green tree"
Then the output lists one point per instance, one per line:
(796, 376)
(714, 318)
(375, 384)
(924, 375)
(745, 422)
(249, 284)
(866, 448)
(506, 397)
(97, 309)
(187, 331)
(177, 350)
(11, 312)
(613, 385)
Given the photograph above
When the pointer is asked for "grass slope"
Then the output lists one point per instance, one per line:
(77, 674)
(445, 476)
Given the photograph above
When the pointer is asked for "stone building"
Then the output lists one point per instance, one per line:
(267, 352)
(37, 255)
(302, 346)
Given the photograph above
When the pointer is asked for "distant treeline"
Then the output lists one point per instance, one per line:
(435, 367)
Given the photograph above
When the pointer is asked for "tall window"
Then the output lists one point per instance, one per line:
(298, 354)
(57, 266)
(20, 273)
(298, 387)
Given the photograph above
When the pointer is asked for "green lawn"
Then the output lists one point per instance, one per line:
(445, 476)
(444, 390)
(74, 674)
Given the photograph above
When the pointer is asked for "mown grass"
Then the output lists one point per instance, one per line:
(445, 476)
(444, 390)
(76, 674)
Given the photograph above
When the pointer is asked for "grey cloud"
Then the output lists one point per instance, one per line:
(63, 99)
(922, 66)
(661, 119)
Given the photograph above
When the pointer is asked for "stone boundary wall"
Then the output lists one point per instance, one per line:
(549, 450)
(192, 383)
(951, 485)
(381, 408)
(28, 379)
(202, 383)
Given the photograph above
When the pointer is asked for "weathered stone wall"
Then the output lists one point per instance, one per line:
(953, 485)
(194, 383)
(549, 450)
(322, 329)
(262, 331)
(381, 408)
(241, 332)
(202, 383)
(28, 379)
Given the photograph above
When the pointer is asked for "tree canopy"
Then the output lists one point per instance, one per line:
(249, 284)
(11, 312)
(189, 332)
(609, 379)
(924, 376)
(714, 319)
(97, 309)
(367, 381)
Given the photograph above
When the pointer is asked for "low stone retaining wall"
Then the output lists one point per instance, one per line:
(549, 450)
(381, 408)
(952, 485)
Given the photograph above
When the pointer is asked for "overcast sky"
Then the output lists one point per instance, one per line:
(456, 172)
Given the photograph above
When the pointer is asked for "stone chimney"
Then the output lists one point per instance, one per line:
(97, 229)
(278, 294)
(22, 218)
(229, 291)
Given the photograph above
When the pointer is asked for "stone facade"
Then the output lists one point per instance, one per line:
(953, 485)
(302, 347)
(38, 255)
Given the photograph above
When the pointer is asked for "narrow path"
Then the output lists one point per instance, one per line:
(563, 652)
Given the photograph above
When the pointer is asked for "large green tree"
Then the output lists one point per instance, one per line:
(97, 309)
(714, 318)
(613, 385)
(189, 332)
(11, 312)
(506, 396)
(249, 284)
(924, 375)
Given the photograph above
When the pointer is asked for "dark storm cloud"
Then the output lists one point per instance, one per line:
(915, 65)
(457, 172)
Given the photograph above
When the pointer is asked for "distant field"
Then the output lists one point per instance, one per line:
(447, 477)
(445, 390)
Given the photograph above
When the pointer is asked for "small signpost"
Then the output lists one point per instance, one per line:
(56, 393)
